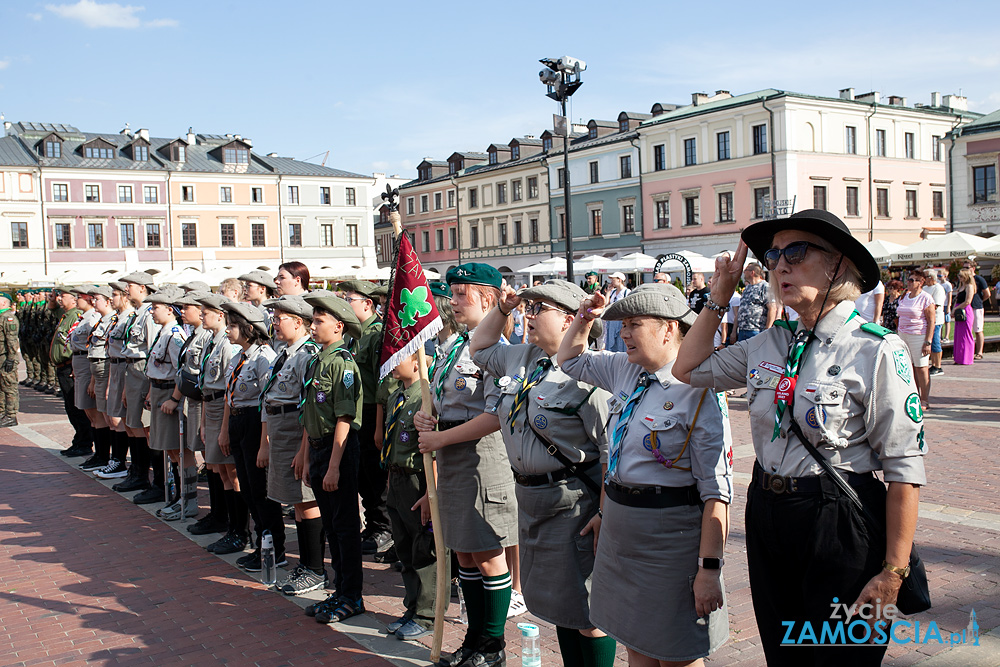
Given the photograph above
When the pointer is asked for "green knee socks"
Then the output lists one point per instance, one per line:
(496, 593)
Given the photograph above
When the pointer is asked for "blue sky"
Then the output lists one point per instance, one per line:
(383, 85)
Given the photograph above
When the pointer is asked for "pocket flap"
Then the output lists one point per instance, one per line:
(499, 493)
(826, 393)
(658, 422)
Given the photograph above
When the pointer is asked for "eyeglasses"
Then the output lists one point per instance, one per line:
(914, 280)
(535, 309)
(353, 298)
(794, 253)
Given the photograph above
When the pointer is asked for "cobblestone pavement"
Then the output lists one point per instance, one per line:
(88, 577)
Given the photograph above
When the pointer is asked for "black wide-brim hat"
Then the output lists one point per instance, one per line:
(760, 235)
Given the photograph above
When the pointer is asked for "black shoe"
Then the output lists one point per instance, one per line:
(487, 659)
(8, 421)
(387, 556)
(153, 494)
(231, 543)
(208, 525)
(50, 390)
(131, 483)
(375, 542)
(302, 580)
(76, 452)
(250, 562)
(459, 657)
(40, 386)
(93, 463)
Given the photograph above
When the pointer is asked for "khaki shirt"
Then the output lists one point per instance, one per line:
(467, 391)
(285, 387)
(214, 367)
(333, 392)
(98, 341)
(164, 357)
(80, 335)
(140, 333)
(59, 350)
(664, 416)
(403, 449)
(855, 398)
(244, 391)
(367, 352)
(558, 410)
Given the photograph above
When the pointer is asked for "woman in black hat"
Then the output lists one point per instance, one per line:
(847, 388)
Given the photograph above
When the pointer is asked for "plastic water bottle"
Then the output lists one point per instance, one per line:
(463, 617)
(268, 573)
(531, 654)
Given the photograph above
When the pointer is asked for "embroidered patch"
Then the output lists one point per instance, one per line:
(816, 417)
(348, 379)
(647, 442)
(774, 368)
(913, 409)
(504, 381)
(282, 386)
(902, 360)
(243, 386)
(833, 370)
(920, 439)
(624, 396)
(460, 384)
(754, 373)
(723, 404)
(321, 397)
(404, 437)
(541, 421)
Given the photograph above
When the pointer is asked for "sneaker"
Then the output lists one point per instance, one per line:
(174, 511)
(329, 603)
(387, 556)
(132, 482)
(936, 370)
(93, 463)
(153, 494)
(8, 421)
(208, 525)
(230, 543)
(517, 606)
(411, 630)
(302, 580)
(250, 562)
(75, 452)
(397, 624)
(375, 542)
(113, 470)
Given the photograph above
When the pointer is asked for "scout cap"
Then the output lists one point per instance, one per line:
(251, 314)
(213, 301)
(439, 288)
(190, 298)
(380, 291)
(163, 296)
(294, 305)
(139, 278)
(103, 290)
(760, 235)
(564, 294)
(81, 289)
(333, 304)
(118, 285)
(474, 273)
(196, 285)
(655, 300)
(260, 277)
(363, 287)
(60, 289)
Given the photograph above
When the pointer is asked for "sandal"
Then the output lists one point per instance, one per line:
(978, 356)
(344, 610)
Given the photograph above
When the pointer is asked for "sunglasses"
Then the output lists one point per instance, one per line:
(794, 253)
(536, 307)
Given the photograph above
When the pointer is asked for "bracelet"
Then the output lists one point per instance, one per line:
(903, 572)
(501, 311)
(720, 310)
(600, 512)
(927, 342)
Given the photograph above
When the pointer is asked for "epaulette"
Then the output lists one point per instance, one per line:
(312, 346)
(876, 329)
(345, 353)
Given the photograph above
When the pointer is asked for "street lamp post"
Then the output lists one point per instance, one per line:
(562, 77)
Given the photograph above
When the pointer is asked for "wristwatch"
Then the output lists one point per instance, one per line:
(711, 305)
(711, 563)
(903, 572)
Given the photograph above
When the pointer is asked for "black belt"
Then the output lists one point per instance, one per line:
(550, 477)
(652, 496)
(392, 467)
(162, 384)
(132, 360)
(780, 484)
(208, 398)
(97, 360)
(281, 409)
(250, 410)
(117, 360)
(319, 443)
(77, 354)
(444, 426)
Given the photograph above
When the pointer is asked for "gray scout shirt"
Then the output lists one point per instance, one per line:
(98, 346)
(190, 361)
(250, 368)
(465, 390)
(557, 410)
(81, 332)
(286, 387)
(663, 418)
(139, 335)
(855, 398)
(165, 353)
(220, 353)
(116, 334)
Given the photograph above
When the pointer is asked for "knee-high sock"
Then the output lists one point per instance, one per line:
(102, 442)
(597, 651)
(119, 445)
(496, 597)
(310, 533)
(217, 498)
(569, 646)
(140, 455)
(471, 581)
(239, 514)
(159, 474)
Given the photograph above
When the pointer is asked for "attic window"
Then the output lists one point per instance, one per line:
(425, 173)
(452, 168)
(99, 152)
(515, 152)
(493, 157)
(593, 133)
(236, 156)
(179, 153)
(53, 148)
(623, 125)
(140, 153)
(547, 143)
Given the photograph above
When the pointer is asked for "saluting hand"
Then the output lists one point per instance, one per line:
(728, 271)
(593, 306)
(509, 300)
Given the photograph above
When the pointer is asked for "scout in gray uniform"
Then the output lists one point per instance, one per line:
(259, 286)
(282, 444)
(241, 425)
(553, 428)
(668, 485)
(115, 412)
(846, 387)
(478, 508)
(97, 352)
(229, 513)
(79, 334)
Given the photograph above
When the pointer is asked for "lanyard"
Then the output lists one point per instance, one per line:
(278, 363)
(642, 384)
(133, 316)
(309, 379)
(393, 422)
(526, 384)
(232, 378)
(449, 363)
(204, 362)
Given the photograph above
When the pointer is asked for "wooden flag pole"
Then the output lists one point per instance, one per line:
(443, 592)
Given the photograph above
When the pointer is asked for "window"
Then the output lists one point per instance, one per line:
(692, 215)
(225, 195)
(150, 194)
(179, 153)
(596, 222)
(451, 199)
(124, 194)
(518, 233)
(725, 206)
(473, 236)
(424, 173)
(473, 198)
(722, 145)
(60, 192)
(127, 230)
(515, 191)
(295, 234)
(236, 156)
(659, 157)
(561, 178)
(53, 149)
(95, 235)
(452, 168)
(92, 193)
(350, 197)
(187, 193)
(227, 235)
(625, 163)
(326, 235)
(882, 202)
(189, 234)
(911, 203)
(452, 238)
(352, 235)
(592, 134)
(501, 193)
(562, 225)
(152, 235)
(533, 229)
(851, 140)
(63, 235)
(880, 147)
(324, 197)
(257, 236)
(410, 210)
(908, 145)
(141, 153)
(623, 125)
(628, 218)
(936, 148)
(819, 197)
(594, 174)
(425, 241)
(439, 239)
(257, 195)
(760, 198)
(759, 139)
(19, 234)
(502, 234)
(437, 201)
(852, 200)
(663, 214)
(690, 152)
(293, 194)
(493, 157)
(547, 144)
(937, 200)
(533, 187)
(423, 204)
(515, 152)
(99, 152)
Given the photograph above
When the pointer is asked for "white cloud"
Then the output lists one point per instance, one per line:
(108, 15)
(4, 64)
(34, 17)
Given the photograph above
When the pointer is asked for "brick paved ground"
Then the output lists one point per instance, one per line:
(88, 577)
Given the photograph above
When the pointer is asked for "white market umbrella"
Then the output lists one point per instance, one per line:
(882, 250)
(992, 251)
(592, 263)
(956, 245)
(548, 266)
(699, 263)
(635, 262)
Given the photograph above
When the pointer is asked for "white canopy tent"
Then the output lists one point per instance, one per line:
(941, 249)
(882, 250)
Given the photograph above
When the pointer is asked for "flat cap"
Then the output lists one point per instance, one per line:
(190, 298)
(564, 294)
(474, 273)
(60, 289)
(292, 304)
(653, 300)
(380, 290)
(365, 287)
(86, 290)
(102, 290)
(119, 285)
(213, 301)
(439, 288)
(196, 286)
(163, 296)
(260, 277)
(249, 313)
(333, 304)
(138, 278)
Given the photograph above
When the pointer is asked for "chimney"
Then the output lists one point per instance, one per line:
(272, 155)
(144, 133)
(723, 93)
(7, 125)
(699, 98)
(191, 139)
(935, 99)
(897, 101)
(847, 93)
(956, 102)
(238, 137)
(127, 131)
(874, 97)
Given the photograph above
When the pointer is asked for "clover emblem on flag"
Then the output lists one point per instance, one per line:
(414, 305)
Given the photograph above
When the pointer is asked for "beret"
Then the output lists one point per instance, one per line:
(139, 278)
(190, 298)
(118, 285)
(363, 287)
(196, 285)
(260, 277)
(249, 313)
(163, 296)
(564, 294)
(102, 290)
(439, 288)
(654, 300)
(333, 304)
(474, 273)
(213, 301)
(294, 305)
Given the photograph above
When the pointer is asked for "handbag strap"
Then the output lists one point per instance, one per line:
(573, 468)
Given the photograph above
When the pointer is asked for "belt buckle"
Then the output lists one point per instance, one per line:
(777, 484)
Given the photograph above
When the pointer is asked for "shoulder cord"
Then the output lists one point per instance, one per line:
(667, 463)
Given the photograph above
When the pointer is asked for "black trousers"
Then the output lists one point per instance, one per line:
(372, 478)
(82, 437)
(414, 545)
(341, 518)
(244, 441)
(804, 550)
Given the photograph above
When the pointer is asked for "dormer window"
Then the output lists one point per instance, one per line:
(425, 173)
(493, 157)
(547, 144)
(593, 133)
(452, 168)
(236, 156)
(140, 153)
(179, 153)
(515, 152)
(53, 148)
(623, 125)
(98, 149)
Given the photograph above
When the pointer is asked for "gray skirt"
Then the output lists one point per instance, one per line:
(116, 388)
(100, 372)
(164, 430)
(646, 563)
(476, 496)
(214, 410)
(556, 561)
(192, 422)
(136, 389)
(284, 433)
(81, 380)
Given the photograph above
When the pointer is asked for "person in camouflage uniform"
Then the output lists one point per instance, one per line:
(8, 361)
(23, 313)
(51, 315)
(61, 361)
